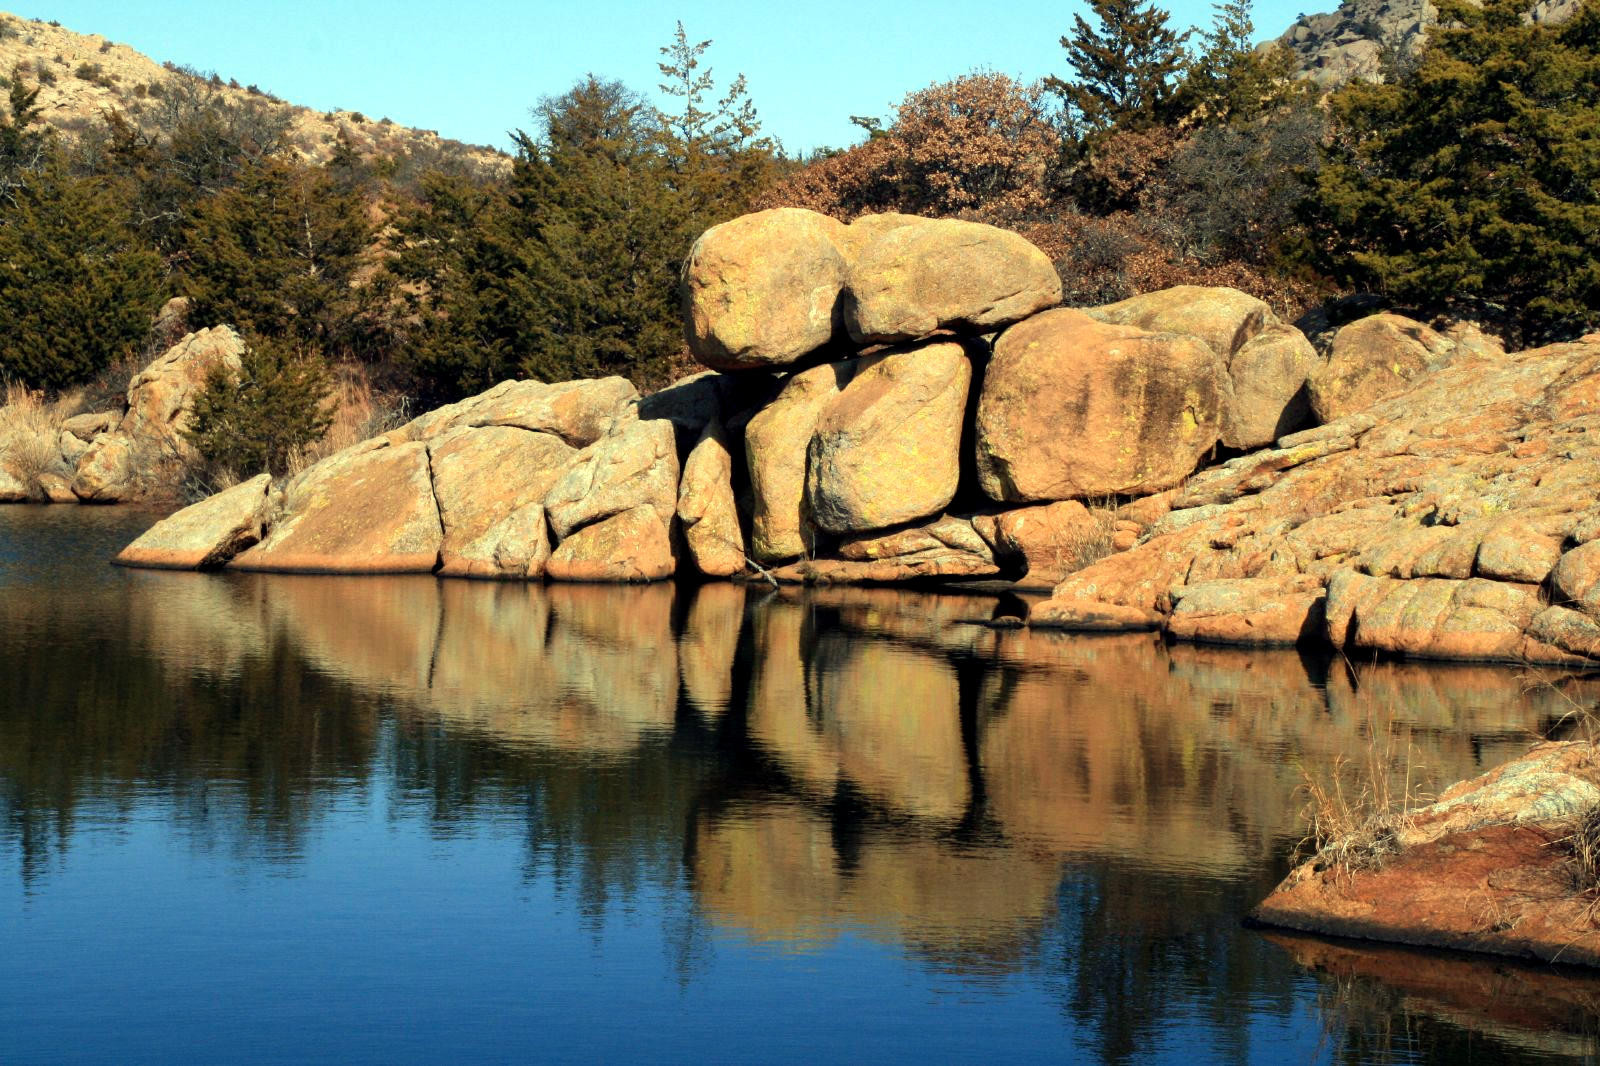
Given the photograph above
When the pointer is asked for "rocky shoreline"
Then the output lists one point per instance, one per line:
(899, 401)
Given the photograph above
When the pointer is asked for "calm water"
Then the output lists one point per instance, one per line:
(273, 819)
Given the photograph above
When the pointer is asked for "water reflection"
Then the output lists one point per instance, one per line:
(806, 765)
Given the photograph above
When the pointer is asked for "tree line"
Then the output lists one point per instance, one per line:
(1468, 181)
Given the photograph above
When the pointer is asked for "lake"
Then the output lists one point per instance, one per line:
(264, 818)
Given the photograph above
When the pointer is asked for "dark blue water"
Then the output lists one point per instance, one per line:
(278, 819)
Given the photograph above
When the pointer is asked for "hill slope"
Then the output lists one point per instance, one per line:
(83, 76)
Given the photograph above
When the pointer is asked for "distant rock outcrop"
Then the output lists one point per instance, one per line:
(1361, 39)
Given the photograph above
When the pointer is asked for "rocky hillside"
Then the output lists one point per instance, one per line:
(83, 76)
(1358, 38)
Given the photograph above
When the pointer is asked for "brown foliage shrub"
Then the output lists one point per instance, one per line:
(979, 145)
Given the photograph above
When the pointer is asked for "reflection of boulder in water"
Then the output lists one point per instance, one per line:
(772, 871)
(884, 718)
(1070, 767)
(892, 719)
(580, 668)
(376, 632)
(1189, 757)
(925, 619)
(708, 644)
(1523, 1006)
(196, 623)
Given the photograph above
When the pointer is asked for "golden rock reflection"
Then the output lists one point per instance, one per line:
(921, 777)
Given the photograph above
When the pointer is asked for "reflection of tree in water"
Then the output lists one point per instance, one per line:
(992, 802)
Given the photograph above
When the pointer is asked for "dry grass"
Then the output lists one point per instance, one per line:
(1355, 809)
(30, 432)
(360, 412)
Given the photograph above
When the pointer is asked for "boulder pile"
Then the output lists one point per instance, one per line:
(137, 452)
(901, 399)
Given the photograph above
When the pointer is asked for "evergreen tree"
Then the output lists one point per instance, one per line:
(573, 272)
(24, 145)
(1126, 66)
(1477, 175)
(78, 286)
(260, 418)
(276, 254)
(1229, 79)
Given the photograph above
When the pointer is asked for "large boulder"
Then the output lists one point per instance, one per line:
(763, 290)
(1372, 359)
(146, 453)
(1268, 362)
(775, 444)
(887, 449)
(206, 535)
(1049, 541)
(915, 276)
(1226, 319)
(707, 510)
(1270, 396)
(631, 546)
(1074, 408)
(367, 509)
(490, 485)
(579, 412)
(636, 467)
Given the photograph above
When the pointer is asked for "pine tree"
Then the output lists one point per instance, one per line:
(1126, 66)
(24, 144)
(715, 149)
(572, 271)
(1477, 175)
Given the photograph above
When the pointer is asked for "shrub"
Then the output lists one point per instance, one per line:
(264, 416)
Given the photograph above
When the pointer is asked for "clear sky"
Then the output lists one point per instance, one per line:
(471, 69)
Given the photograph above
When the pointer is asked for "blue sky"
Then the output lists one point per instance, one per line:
(471, 69)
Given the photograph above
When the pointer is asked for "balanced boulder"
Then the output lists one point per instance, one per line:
(1074, 408)
(887, 449)
(763, 290)
(916, 276)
